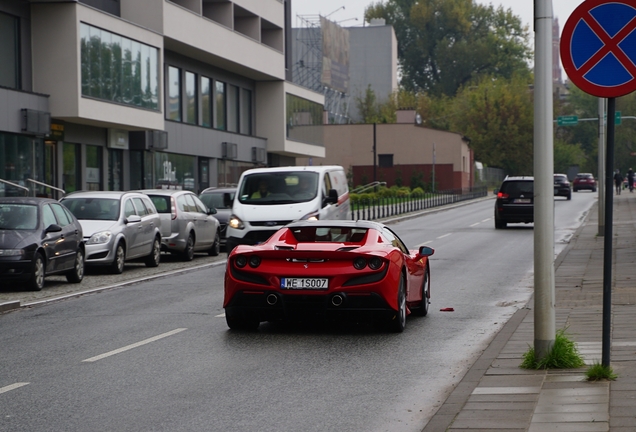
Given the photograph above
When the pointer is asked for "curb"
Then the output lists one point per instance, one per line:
(8, 306)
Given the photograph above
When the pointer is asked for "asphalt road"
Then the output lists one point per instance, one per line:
(158, 356)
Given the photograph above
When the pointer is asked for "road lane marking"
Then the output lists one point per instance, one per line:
(13, 387)
(135, 345)
(486, 220)
(475, 224)
(445, 235)
(220, 316)
(426, 243)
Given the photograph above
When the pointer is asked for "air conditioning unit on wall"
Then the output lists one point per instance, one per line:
(229, 150)
(36, 122)
(259, 155)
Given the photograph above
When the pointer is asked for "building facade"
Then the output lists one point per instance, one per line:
(129, 94)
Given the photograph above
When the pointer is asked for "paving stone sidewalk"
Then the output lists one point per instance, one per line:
(496, 395)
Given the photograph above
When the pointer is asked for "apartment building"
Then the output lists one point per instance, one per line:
(128, 94)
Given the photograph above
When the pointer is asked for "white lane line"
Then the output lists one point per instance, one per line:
(426, 243)
(220, 316)
(486, 220)
(12, 387)
(445, 235)
(135, 345)
(475, 224)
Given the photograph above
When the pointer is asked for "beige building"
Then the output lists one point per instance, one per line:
(407, 154)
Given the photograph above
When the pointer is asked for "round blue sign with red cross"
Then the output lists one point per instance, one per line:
(598, 47)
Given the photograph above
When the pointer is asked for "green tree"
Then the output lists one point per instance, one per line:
(444, 44)
(497, 116)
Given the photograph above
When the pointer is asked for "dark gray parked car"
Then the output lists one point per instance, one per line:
(221, 200)
(187, 224)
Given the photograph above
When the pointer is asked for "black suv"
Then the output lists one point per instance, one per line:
(562, 186)
(515, 201)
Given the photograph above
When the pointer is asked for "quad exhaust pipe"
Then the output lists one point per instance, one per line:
(337, 300)
(272, 299)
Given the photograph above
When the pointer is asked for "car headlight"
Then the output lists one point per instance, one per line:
(11, 252)
(100, 237)
(235, 222)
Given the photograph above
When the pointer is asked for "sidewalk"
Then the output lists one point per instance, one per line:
(496, 395)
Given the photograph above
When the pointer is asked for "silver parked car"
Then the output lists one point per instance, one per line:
(187, 225)
(221, 200)
(118, 226)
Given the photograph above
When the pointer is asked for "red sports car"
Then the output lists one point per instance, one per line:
(331, 269)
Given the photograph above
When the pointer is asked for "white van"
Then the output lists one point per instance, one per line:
(269, 198)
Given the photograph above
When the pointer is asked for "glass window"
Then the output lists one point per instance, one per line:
(220, 106)
(191, 98)
(129, 209)
(302, 118)
(201, 208)
(206, 102)
(182, 204)
(174, 171)
(141, 207)
(162, 203)
(61, 215)
(246, 112)
(93, 168)
(192, 207)
(173, 111)
(9, 51)
(71, 176)
(150, 208)
(118, 69)
(233, 109)
(47, 216)
(116, 173)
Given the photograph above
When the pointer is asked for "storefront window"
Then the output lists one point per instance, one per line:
(229, 171)
(93, 168)
(118, 69)
(71, 174)
(141, 176)
(16, 163)
(115, 171)
(304, 120)
(175, 171)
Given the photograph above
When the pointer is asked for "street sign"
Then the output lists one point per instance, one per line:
(567, 120)
(598, 47)
(617, 118)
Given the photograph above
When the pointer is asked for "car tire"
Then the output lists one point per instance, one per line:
(215, 250)
(76, 275)
(422, 310)
(594, 190)
(154, 258)
(38, 270)
(576, 190)
(117, 266)
(499, 224)
(569, 197)
(239, 323)
(188, 252)
(398, 322)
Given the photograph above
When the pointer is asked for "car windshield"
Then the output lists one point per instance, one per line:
(93, 208)
(18, 217)
(162, 203)
(279, 188)
(329, 234)
(215, 199)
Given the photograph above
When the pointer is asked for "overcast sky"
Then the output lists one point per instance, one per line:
(355, 9)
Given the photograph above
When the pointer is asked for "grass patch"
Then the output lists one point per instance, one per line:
(598, 372)
(564, 355)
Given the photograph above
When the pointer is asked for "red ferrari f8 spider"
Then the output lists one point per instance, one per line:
(330, 269)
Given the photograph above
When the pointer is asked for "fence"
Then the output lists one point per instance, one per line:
(379, 208)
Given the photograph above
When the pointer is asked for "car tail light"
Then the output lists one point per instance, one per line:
(173, 208)
(240, 261)
(255, 261)
(375, 263)
(359, 263)
(502, 195)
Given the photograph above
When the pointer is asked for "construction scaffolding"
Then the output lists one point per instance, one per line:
(321, 63)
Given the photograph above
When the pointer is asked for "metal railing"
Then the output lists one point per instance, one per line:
(15, 185)
(383, 207)
(46, 186)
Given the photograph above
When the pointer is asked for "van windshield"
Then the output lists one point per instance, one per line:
(287, 187)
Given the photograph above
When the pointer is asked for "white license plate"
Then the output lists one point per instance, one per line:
(522, 201)
(304, 283)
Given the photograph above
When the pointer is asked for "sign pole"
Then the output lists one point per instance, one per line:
(601, 166)
(607, 241)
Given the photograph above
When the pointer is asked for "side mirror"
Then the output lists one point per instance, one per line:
(227, 200)
(426, 251)
(332, 198)
(132, 219)
(211, 211)
(52, 228)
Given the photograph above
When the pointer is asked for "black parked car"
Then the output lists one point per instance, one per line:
(562, 186)
(515, 201)
(39, 237)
